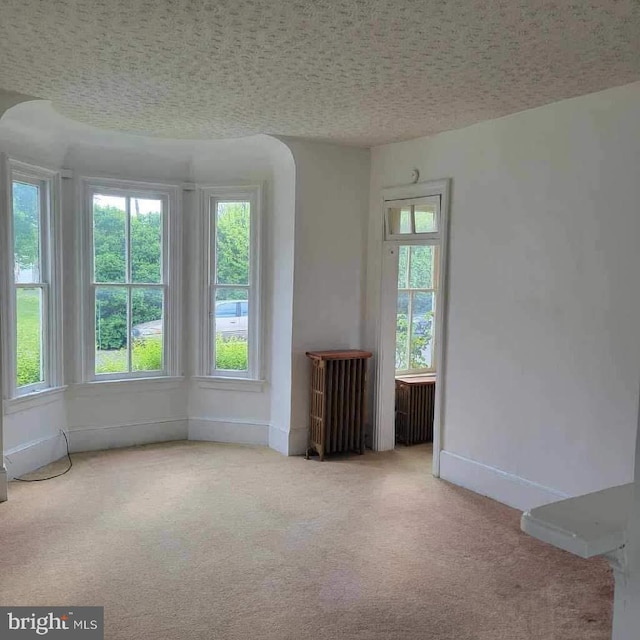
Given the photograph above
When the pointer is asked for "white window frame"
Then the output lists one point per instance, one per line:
(384, 401)
(48, 181)
(208, 198)
(171, 276)
(411, 290)
(430, 237)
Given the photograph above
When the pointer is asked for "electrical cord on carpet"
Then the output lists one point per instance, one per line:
(57, 475)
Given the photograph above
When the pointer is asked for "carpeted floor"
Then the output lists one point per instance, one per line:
(206, 541)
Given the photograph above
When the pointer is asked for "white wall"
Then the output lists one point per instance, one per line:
(542, 348)
(329, 270)
(280, 251)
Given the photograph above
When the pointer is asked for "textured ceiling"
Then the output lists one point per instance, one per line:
(355, 71)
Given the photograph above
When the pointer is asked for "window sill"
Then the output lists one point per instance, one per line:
(133, 385)
(32, 400)
(230, 384)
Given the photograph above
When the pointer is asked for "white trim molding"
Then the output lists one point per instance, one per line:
(230, 384)
(126, 435)
(298, 441)
(384, 401)
(231, 431)
(32, 455)
(278, 440)
(33, 400)
(117, 387)
(504, 487)
(4, 481)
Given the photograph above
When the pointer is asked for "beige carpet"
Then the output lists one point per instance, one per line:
(205, 541)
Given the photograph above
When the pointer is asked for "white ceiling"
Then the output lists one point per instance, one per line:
(355, 71)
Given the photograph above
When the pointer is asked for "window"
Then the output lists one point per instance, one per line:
(127, 308)
(415, 218)
(231, 258)
(33, 305)
(413, 225)
(416, 308)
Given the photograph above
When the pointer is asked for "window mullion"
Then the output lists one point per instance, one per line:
(233, 286)
(44, 269)
(409, 328)
(129, 315)
(128, 278)
(213, 324)
(45, 358)
(409, 304)
(213, 262)
(128, 239)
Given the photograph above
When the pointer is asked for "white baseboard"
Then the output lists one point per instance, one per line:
(501, 486)
(288, 443)
(298, 441)
(236, 432)
(126, 435)
(3, 484)
(35, 454)
(279, 440)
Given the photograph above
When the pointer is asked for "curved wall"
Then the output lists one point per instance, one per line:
(155, 410)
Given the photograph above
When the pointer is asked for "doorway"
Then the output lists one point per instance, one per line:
(412, 327)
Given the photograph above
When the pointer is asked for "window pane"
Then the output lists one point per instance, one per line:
(425, 218)
(399, 220)
(405, 221)
(111, 330)
(402, 325)
(232, 242)
(146, 240)
(109, 238)
(26, 232)
(29, 364)
(403, 264)
(231, 331)
(421, 276)
(422, 330)
(147, 330)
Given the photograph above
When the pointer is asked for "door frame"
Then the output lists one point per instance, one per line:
(384, 405)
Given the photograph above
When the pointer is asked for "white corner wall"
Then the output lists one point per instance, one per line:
(542, 348)
(332, 200)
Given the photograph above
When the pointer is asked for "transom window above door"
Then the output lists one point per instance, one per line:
(416, 218)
